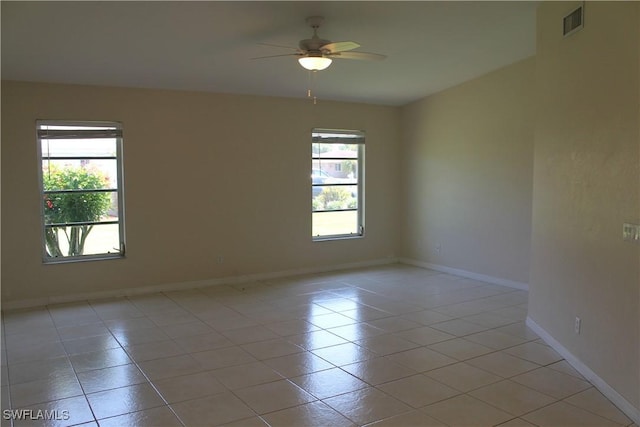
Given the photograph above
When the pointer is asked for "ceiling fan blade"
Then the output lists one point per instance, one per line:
(278, 45)
(275, 56)
(364, 56)
(340, 46)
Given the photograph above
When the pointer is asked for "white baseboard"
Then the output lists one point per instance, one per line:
(467, 274)
(231, 280)
(623, 404)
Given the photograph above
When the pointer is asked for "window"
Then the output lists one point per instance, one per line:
(337, 191)
(81, 190)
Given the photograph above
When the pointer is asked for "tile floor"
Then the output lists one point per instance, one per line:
(385, 346)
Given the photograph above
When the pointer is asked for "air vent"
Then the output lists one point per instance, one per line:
(573, 22)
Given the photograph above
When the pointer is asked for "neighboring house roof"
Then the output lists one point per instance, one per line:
(337, 153)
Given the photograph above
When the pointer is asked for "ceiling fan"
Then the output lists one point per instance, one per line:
(316, 54)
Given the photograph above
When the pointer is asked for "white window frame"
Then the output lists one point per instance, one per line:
(102, 129)
(342, 136)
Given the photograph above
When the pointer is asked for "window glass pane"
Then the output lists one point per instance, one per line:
(348, 151)
(79, 174)
(334, 197)
(334, 171)
(64, 208)
(98, 147)
(85, 240)
(335, 223)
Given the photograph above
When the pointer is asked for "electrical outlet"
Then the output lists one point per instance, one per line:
(439, 248)
(577, 326)
(220, 259)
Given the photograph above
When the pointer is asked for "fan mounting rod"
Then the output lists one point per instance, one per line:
(313, 46)
(315, 21)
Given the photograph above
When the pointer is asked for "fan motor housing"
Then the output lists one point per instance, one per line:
(313, 44)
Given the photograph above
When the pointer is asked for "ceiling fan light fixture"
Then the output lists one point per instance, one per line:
(315, 63)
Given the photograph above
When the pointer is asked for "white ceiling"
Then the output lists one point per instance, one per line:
(208, 45)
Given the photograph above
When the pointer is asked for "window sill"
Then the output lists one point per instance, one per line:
(332, 238)
(86, 258)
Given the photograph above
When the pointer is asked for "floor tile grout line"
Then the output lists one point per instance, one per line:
(316, 399)
(5, 356)
(151, 384)
(66, 355)
(595, 413)
(135, 363)
(95, 418)
(362, 321)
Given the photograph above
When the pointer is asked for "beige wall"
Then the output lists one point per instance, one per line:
(206, 175)
(586, 181)
(466, 167)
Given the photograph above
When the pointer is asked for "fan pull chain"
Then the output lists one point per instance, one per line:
(312, 87)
